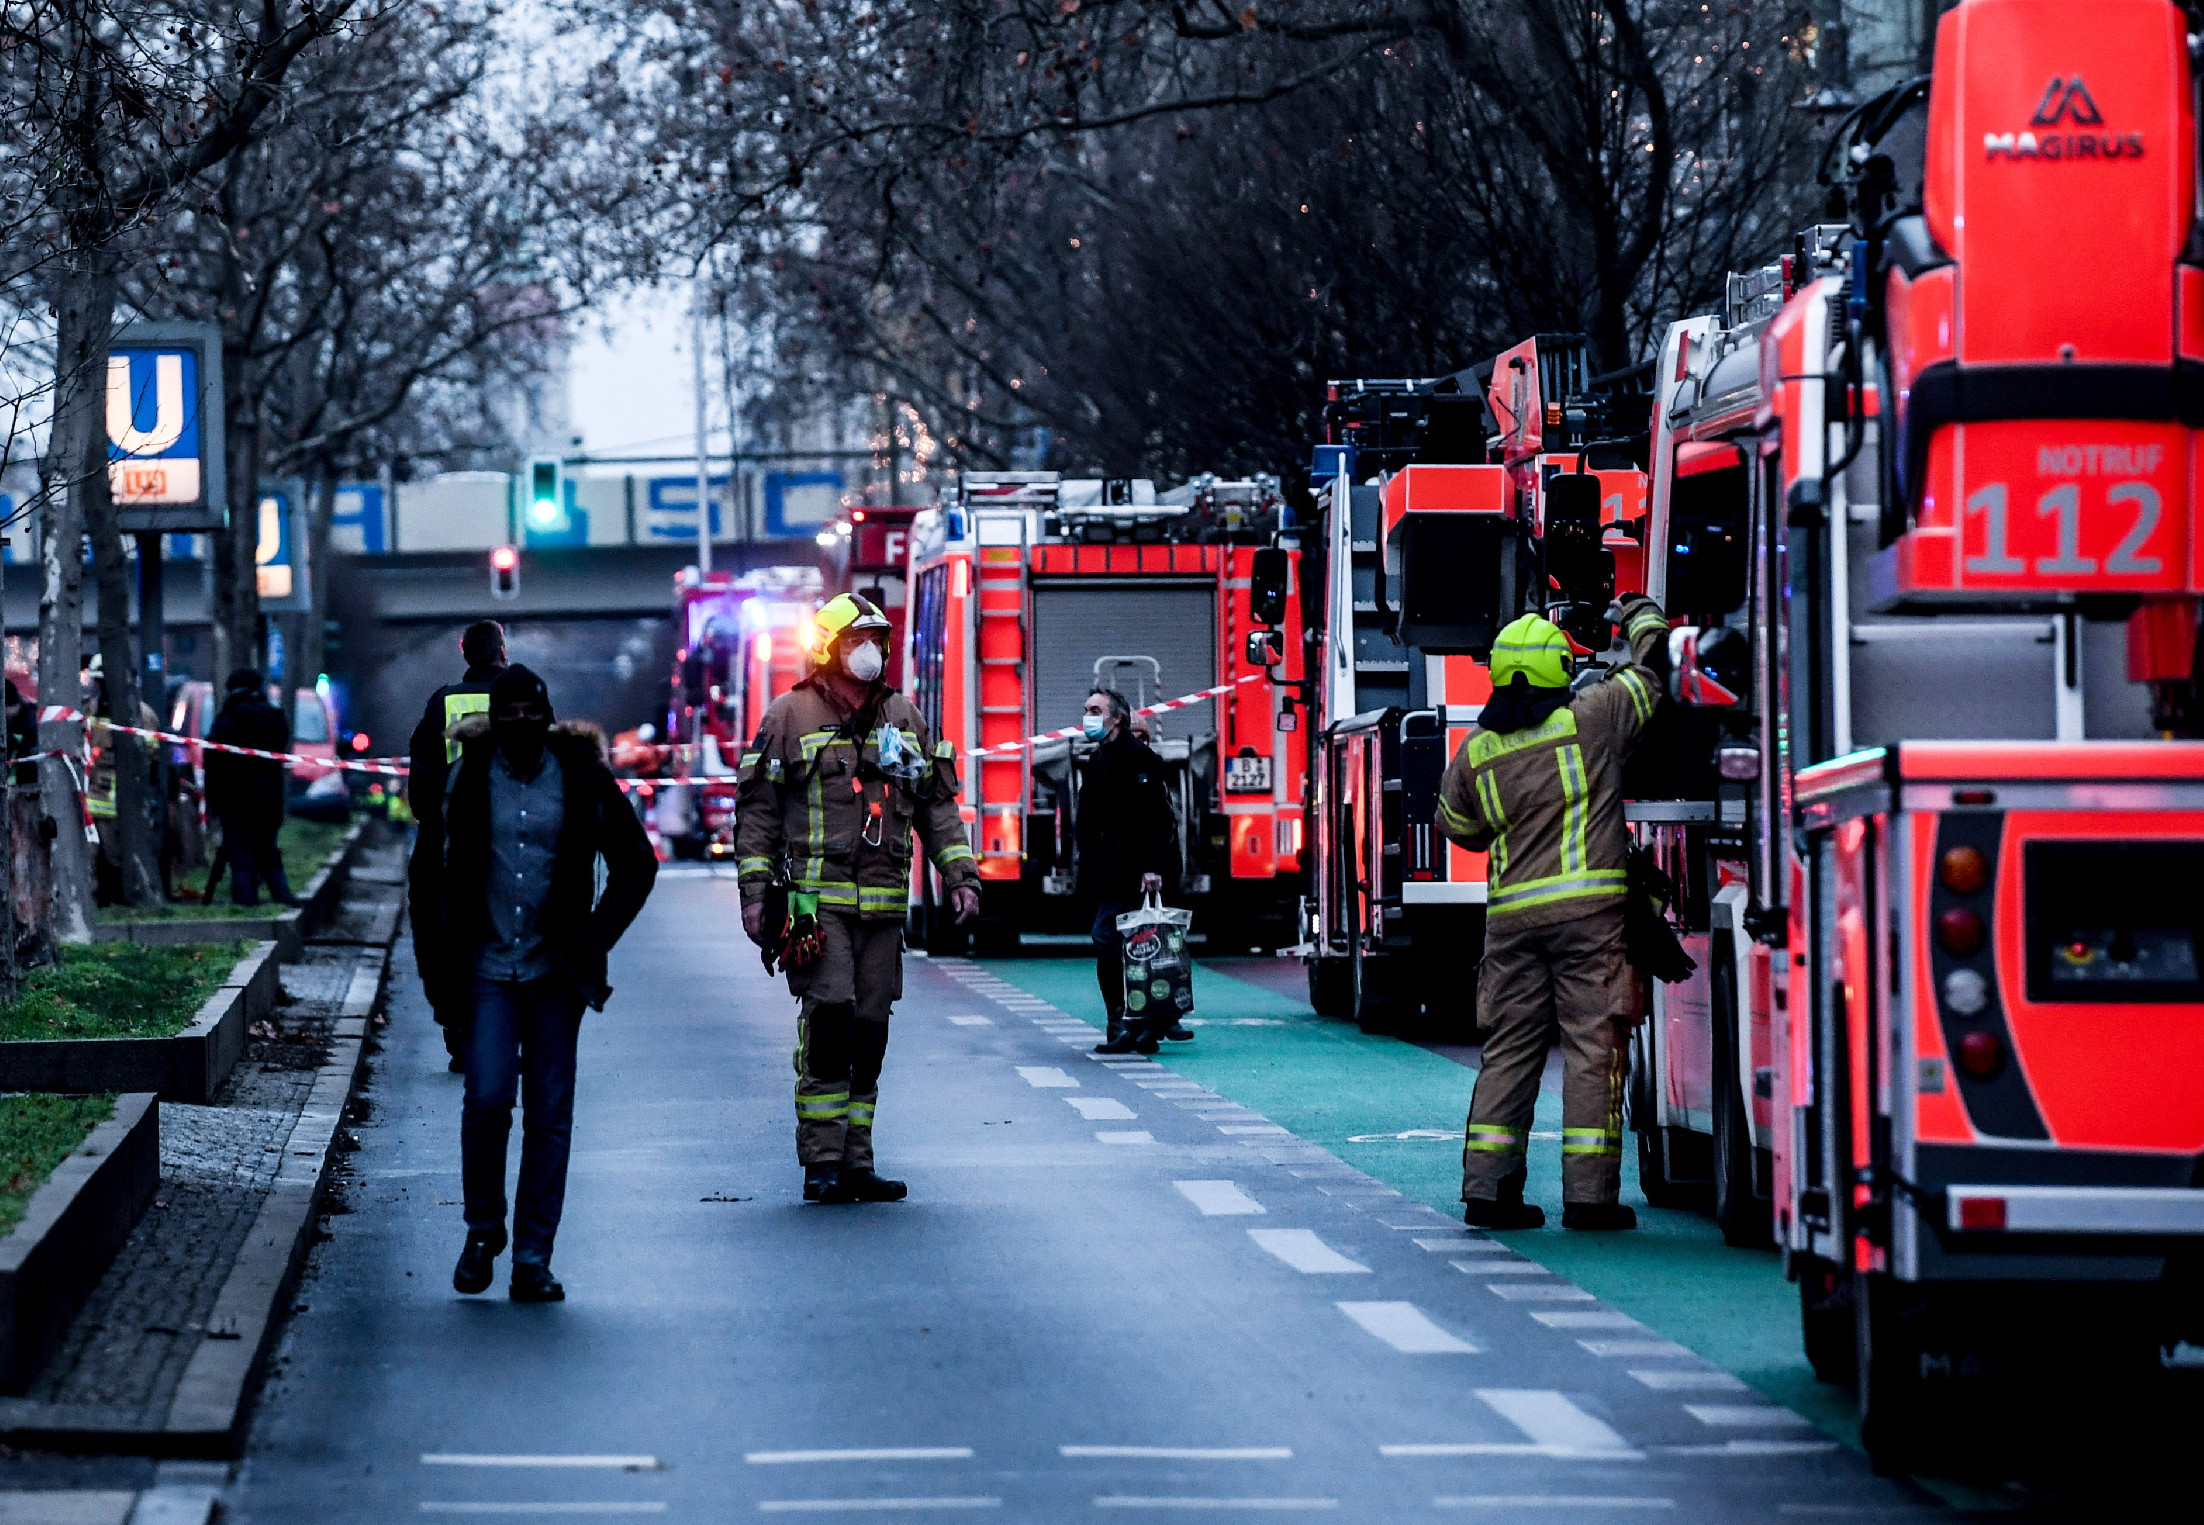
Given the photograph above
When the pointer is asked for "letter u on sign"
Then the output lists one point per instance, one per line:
(168, 406)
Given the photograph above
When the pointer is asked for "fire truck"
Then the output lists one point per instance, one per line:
(868, 552)
(1449, 506)
(1949, 647)
(744, 638)
(1027, 590)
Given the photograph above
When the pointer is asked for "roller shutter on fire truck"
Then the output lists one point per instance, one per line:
(1077, 621)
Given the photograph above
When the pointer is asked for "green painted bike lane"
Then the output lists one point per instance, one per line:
(1395, 1111)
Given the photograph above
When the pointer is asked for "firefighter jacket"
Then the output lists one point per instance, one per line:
(1545, 801)
(828, 801)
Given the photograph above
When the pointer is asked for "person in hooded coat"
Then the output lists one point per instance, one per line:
(514, 928)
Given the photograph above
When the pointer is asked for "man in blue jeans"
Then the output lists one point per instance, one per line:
(515, 929)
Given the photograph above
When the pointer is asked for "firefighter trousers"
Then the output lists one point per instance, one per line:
(1568, 980)
(842, 1034)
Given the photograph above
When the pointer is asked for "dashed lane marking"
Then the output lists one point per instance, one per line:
(1127, 1501)
(1045, 1077)
(870, 1506)
(1305, 1252)
(1744, 1415)
(1589, 1318)
(875, 1453)
(447, 1506)
(474, 1459)
(1127, 1136)
(1689, 1381)
(1180, 1453)
(1218, 1199)
(1516, 1292)
(1252, 1130)
(1446, 1246)
(1754, 1448)
(1550, 1419)
(1101, 1109)
(1547, 1501)
(1499, 1268)
(973, 1021)
(1637, 1348)
(1406, 1328)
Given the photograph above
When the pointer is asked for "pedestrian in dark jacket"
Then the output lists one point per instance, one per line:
(246, 793)
(1128, 849)
(512, 923)
(432, 750)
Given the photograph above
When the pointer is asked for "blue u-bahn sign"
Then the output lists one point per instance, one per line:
(164, 427)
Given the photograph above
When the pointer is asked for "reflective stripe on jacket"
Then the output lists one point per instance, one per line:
(1546, 801)
(817, 802)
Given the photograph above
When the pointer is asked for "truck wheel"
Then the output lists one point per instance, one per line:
(1744, 1219)
(1653, 1177)
(1825, 1320)
(1331, 987)
(1891, 1323)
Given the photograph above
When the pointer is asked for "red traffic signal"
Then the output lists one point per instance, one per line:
(504, 573)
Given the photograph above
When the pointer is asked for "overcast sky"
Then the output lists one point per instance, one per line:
(631, 391)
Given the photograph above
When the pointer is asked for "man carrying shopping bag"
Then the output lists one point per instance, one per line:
(1128, 845)
(1159, 976)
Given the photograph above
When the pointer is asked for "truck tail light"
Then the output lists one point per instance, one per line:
(1981, 1055)
(1982, 1213)
(1959, 931)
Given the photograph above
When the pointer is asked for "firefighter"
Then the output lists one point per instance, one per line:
(1538, 786)
(841, 771)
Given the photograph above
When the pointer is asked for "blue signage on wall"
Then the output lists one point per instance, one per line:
(164, 427)
(801, 502)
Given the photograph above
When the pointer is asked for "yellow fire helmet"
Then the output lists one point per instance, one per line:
(844, 612)
(1535, 647)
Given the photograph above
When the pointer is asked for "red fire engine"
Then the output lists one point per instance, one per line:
(1949, 634)
(868, 552)
(1026, 591)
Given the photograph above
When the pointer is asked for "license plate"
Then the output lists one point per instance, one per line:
(1247, 775)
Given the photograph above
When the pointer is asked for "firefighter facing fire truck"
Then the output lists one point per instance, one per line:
(1538, 785)
(841, 771)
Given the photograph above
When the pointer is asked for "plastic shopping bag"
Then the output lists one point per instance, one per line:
(1159, 976)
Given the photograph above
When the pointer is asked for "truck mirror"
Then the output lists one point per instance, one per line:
(1266, 590)
(1709, 667)
(1265, 648)
(1576, 560)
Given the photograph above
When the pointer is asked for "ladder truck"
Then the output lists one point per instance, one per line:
(1975, 825)
(1027, 589)
(868, 552)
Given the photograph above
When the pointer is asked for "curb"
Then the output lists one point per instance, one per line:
(186, 1066)
(288, 931)
(207, 1412)
(72, 1228)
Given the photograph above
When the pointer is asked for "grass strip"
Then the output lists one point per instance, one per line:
(118, 990)
(304, 844)
(36, 1134)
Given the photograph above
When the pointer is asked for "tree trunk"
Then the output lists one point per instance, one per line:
(137, 841)
(84, 312)
(321, 510)
(236, 575)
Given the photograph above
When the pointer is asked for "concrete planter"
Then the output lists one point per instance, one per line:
(186, 1066)
(317, 906)
(75, 1223)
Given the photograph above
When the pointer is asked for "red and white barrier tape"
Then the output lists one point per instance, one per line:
(55, 712)
(1180, 703)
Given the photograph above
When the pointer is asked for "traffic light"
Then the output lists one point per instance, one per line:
(504, 574)
(546, 509)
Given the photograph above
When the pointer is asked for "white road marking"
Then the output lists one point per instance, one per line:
(1182, 1453)
(438, 1506)
(1444, 1246)
(468, 1459)
(1551, 1420)
(1744, 1415)
(1634, 1347)
(1689, 1381)
(1126, 1136)
(1045, 1077)
(1424, 1219)
(1753, 1448)
(1125, 1501)
(973, 1021)
(876, 1453)
(1516, 1292)
(1253, 1130)
(1587, 1319)
(1546, 1501)
(1101, 1109)
(1301, 1249)
(852, 1506)
(1218, 1199)
(1499, 1268)
(1404, 1327)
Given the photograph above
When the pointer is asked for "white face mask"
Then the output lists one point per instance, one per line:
(864, 662)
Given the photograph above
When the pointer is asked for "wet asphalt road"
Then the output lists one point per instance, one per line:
(1112, 1293)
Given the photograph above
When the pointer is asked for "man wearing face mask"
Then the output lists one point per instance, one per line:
(515, 931)
(840, 774)
(1128, 849)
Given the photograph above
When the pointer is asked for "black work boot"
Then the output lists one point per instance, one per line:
(859, 1183)
(1598, 1216)
(533, 1283)
(1122, 1037)
(1113, 1033)
(819, 1180)
(1179, 1032)
(1488, 1212)
(472, 1274)
(1143, 1037)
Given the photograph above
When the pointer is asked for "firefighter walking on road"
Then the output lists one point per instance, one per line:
(1538, 786)
(841, 772)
